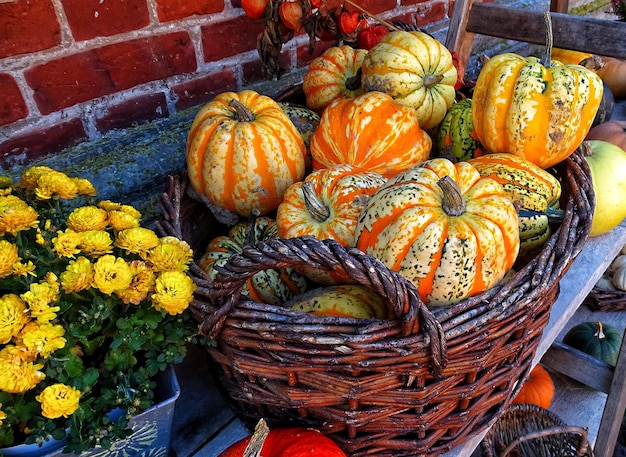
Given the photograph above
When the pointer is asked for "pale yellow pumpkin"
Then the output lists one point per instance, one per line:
(416, 70)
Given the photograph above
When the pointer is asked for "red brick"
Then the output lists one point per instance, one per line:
(229, 38)
(23, 149)
(202, 90)
(27, 26)
(96, 18)
(377, 6)
(170, 10)
(13, 106)
(304, 56)
(134, 111)
(109, 69)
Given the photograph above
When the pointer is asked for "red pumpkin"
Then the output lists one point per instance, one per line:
(290, 442)
(611, 132)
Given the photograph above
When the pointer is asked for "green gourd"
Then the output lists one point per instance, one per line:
(597, 339)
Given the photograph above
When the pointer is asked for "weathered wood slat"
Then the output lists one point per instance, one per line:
(597, 36)
(579, 366)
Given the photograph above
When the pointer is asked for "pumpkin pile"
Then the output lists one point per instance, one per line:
(450, 191)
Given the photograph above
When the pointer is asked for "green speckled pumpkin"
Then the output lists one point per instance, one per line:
(269, 286)
(456, 139)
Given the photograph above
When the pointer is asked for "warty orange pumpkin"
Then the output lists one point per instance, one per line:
(371, 131)
(444, 227)
(243, 152)
(538, 111)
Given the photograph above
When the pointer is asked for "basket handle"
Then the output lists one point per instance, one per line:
(583, 449)
(326, 255)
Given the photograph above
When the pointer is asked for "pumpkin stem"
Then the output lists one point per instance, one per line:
(431, 81)
(257, 440)
(600, 332)
(251, 226)
(354, 82)
(547, 57)
(452, 203)
(314, 204)
(242, 112)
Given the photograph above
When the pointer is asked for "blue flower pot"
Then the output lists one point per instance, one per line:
(151, 431)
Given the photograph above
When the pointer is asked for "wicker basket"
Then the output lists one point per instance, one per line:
(604, 300)
(417, 385)
(531, 431)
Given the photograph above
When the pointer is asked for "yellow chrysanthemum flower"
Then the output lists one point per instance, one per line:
(66, 244)
(121, 220)
(77, 276)
(58, 400)
(95, 243)
(16, 215)
(136, 240)
(18, 374)
(87, 218)
(5, 182)
(13, 317)
(29, 178)
(24, 269)
(140, 286)
(9, 256)
(111, 274)
(171, 254)
(174, 292)
(42, 339)
(84, 187)
(55, 183)
(3, 415)
(40, 296)
(109, 206)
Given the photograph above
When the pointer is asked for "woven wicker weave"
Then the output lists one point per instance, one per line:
(531, 431)
(603, 300)
(417, 385)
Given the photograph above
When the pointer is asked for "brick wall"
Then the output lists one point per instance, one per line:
(71, 70)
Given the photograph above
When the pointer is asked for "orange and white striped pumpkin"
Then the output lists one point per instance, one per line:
(327, 203)
(371, 131)
(243, 152)
(335, 74)
(451, 243)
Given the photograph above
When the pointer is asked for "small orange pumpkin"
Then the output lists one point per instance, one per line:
(613, 73)
(538, 389)
(334, 74)
(371, 131)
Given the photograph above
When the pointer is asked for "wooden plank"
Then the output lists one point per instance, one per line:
(597, 36)
(614, 409)
(458, 39)
(579, 366)
(575, 285)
